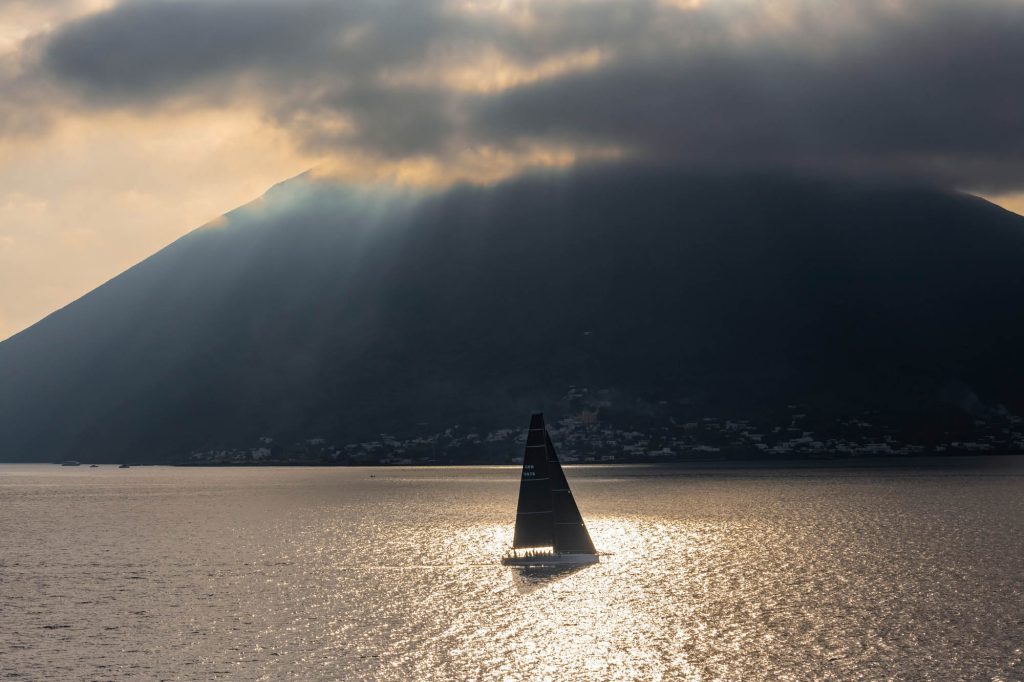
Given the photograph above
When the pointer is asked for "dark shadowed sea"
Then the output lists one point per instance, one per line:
(911, 573)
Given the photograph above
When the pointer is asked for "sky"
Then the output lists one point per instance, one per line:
(124, 125)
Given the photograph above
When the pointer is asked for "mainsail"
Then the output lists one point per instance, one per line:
(535, 517)
(547, 515)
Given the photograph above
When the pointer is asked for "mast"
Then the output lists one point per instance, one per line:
(535, 518)
(571, 534)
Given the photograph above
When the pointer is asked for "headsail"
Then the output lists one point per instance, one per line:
(570, 532)
(535, 518)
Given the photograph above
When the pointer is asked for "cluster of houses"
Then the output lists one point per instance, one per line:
(590, 437)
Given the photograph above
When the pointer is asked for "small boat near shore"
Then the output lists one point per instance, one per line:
(549, 528)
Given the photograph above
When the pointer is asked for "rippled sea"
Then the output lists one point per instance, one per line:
(393, 574)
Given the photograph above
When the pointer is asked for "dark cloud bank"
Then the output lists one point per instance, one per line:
(927, 89)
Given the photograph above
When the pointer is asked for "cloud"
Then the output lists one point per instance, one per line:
(149, 52)
(928, 95)
(918, 87)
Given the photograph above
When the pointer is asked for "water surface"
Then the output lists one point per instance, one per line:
(393, 574)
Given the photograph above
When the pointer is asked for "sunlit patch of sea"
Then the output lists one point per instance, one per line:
(394, 574)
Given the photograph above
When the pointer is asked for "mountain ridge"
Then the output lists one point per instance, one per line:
(334, 313)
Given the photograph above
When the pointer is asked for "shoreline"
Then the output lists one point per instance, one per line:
(931, 461)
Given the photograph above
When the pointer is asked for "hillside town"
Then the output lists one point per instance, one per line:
(604, 436)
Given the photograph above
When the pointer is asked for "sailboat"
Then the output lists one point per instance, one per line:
(549, 528)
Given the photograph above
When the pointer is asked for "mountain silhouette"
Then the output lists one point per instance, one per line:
(339, 313)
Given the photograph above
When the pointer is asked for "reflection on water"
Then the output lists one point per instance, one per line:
(328, 573)
(530, 578)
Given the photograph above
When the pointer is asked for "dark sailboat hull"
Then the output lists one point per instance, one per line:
(561, 559)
